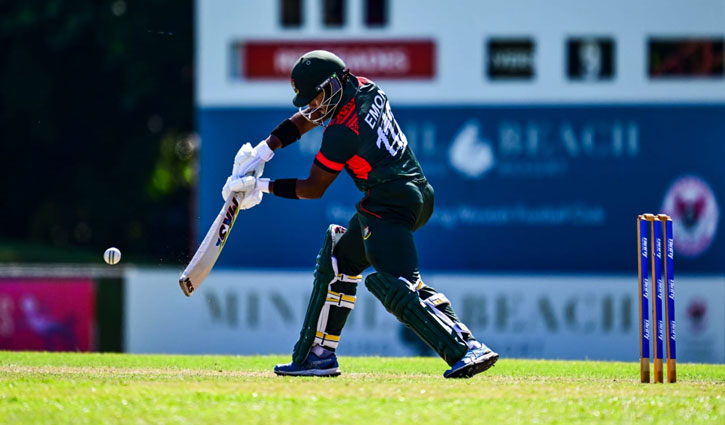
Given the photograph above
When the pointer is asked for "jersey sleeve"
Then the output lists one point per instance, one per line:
(339, 144)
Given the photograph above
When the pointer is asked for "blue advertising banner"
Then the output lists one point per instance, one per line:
(545, 188)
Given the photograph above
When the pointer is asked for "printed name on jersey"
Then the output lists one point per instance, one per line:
(375, 154)
(376, 108)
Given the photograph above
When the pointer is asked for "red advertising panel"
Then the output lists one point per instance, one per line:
(47, 314)
(405, 59)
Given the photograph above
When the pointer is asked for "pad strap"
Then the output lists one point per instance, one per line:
(332, 300)
(347, 278)
(399, 297)
(340, 300)
(327, 340)
(436, 302)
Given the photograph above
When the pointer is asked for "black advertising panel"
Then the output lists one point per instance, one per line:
(590, 59)
(511, 59)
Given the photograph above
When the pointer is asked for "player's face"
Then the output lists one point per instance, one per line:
(320, 108)
(315, 104)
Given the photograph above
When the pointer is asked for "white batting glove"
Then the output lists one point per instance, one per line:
(237, 184)
(254, 190)
(242, 184)
(251, 199)
(250, 161)
(251, 187)
(225, 189)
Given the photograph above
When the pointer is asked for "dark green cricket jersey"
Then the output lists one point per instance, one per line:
(365, 139)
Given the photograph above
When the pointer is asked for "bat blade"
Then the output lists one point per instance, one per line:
(210, 248)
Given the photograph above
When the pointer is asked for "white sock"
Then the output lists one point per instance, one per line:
(472, 343)
(321, 351)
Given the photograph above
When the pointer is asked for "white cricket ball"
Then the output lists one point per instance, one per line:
(112, 255)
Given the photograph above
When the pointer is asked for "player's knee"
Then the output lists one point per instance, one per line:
(349, 261)
(326, 262)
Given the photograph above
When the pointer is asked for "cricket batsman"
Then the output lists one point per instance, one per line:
(362, 137)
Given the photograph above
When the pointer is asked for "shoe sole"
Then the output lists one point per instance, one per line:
(312, 372)
(482, 365)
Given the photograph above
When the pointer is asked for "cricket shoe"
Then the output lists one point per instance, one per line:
(476, 360)
(313, 366)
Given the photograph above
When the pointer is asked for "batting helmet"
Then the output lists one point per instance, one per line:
(316, 72)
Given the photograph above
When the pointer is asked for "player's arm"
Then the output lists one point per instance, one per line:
(250, 161)
(313, 187)
(338, 146)
(289, 131)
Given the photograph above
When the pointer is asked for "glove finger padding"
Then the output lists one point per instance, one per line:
(242, 159)
(239, 184)
(251, 199)
(246, 151)
(225, 189)
(248, 166)
(242, 184)
(255, 170)
(250, 161)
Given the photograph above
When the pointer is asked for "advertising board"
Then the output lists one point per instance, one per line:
(550, 316)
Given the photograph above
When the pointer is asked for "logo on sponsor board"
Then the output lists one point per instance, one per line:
(470, 154)
(398, 59)
(692, 205)
(530, 148)
(696, 313)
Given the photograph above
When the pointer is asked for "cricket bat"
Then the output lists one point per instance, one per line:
(210, 248)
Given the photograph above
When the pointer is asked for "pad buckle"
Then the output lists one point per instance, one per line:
(340, 300)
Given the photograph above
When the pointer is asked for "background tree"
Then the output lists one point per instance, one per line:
(96, 125)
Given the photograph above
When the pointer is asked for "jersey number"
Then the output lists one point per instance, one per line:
(389, 133)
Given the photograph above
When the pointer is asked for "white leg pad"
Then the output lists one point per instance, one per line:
(335, 299)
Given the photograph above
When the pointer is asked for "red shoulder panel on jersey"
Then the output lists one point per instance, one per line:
(331, 166)
(361, 81)
(359, 166)
(347, 117)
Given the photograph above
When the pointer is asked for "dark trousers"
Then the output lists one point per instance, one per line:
(380, 234)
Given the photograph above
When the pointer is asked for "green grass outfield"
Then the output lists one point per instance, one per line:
(49, 388)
